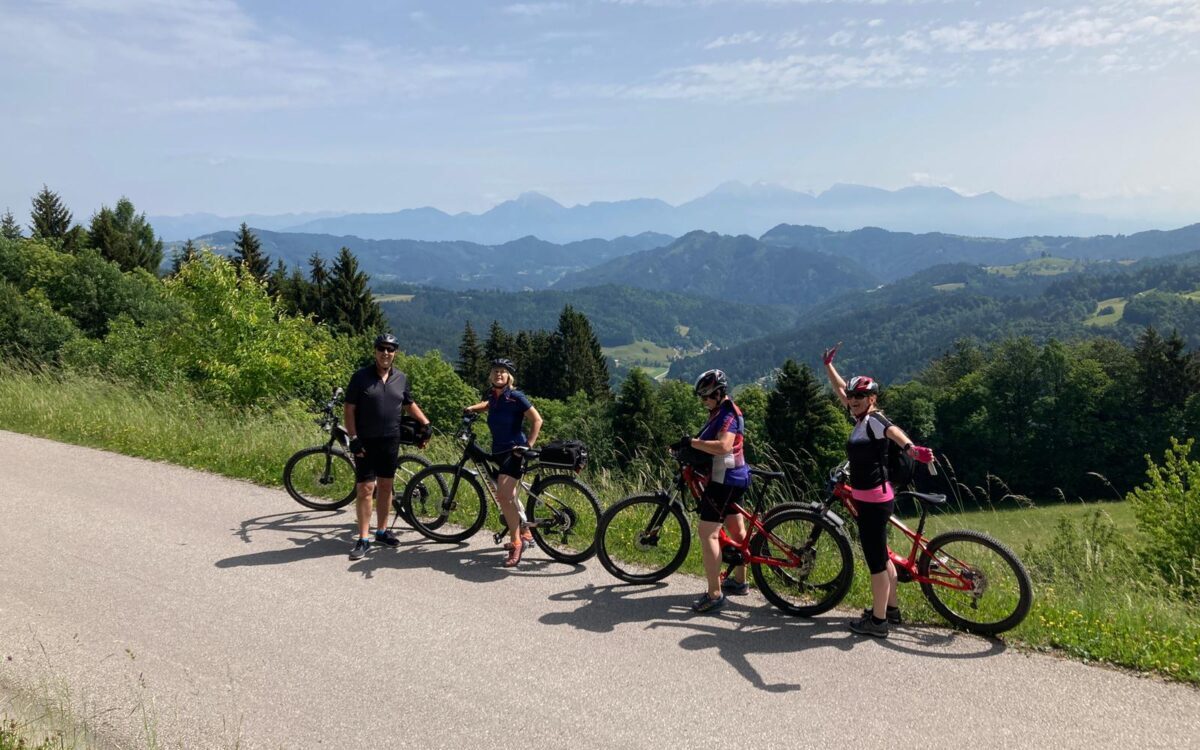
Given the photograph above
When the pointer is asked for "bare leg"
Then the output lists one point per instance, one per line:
(883, 591)
(383, 501)
(506, 493)
(735, 527)
(710, 552)
(362, 506)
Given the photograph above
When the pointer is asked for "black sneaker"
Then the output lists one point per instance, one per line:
(708, 604)
(866, 625)
(733, 587)
(893, 615)
(387, 538)
(360, 549)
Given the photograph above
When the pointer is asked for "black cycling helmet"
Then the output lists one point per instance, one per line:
(862, 384)
(386, 339)
(710, 382)
(506, 363)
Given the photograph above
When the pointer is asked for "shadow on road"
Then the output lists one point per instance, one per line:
(746, 627)
(331, 534)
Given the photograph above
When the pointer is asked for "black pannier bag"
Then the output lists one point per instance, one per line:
(569, 454)
(413, 432)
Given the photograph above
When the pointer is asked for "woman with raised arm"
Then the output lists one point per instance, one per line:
(508, 409)
(874, 497)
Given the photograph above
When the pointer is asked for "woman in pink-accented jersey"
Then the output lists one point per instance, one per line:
(874, 497)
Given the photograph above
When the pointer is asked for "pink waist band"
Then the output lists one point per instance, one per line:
(880, 494)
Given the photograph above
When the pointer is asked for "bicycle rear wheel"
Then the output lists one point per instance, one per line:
(811, 565)
(1000, 594)
(563, 514)
(643, 538)
(320, 477)
(445, 504)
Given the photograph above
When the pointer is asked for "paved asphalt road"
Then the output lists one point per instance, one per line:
(199, 612)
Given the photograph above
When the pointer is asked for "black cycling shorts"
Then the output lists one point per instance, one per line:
(717, 501)
(379, 460)
(512, 465)
(873, 533)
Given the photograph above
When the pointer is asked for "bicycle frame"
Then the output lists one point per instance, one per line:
(945, 575)
(690, 480)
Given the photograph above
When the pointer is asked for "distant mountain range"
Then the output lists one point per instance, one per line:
(526, 263)
(732, 208)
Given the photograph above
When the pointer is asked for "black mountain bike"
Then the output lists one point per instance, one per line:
(321, 477)
(445, 502)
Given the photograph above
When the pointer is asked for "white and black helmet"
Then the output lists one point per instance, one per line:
(711, 383)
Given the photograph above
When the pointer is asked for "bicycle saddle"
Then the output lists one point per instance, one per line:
(926, 497)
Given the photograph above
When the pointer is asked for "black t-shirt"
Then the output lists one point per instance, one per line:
(378, 405)
(868, 451)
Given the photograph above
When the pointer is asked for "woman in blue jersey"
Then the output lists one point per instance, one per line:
(874, 497)
(508, 409)
(722, 437)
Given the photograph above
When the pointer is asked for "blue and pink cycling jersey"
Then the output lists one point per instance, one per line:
(729, 469)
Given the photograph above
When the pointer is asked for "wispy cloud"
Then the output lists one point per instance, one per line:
(220, 56)
(535, 9)
(731, 40)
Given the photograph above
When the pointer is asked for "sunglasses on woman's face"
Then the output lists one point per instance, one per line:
(856, 395)
(387, 349)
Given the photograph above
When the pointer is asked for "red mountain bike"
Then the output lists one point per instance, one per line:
(969, 578)
(645, 538)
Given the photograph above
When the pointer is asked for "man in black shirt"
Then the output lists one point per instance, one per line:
(375, 399)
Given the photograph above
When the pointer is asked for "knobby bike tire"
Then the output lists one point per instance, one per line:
(443, 509)
(563, 515)
(1003, 591)
(408, 465)
(643, 539)
(824, 572)
(315, 476)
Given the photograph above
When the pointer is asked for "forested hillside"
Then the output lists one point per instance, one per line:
(894, 255)
(527, 263)
(739, 269)
(894, 331)
(431, 318)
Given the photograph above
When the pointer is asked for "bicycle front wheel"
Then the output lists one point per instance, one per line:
(408, 465)
(809, 566)
(444, 503)
(643, 539)
(320, 477)
(979, 585)
(563, 514)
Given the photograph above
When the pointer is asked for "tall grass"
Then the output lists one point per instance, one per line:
(1092, 597)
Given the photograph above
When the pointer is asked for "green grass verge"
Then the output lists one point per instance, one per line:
(1099, 614)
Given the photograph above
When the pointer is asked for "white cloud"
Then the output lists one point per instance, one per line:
(535, 9)
(730, 40)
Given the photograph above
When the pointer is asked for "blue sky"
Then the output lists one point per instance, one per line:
(236, 107)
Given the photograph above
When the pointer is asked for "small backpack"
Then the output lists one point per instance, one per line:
(901, 467)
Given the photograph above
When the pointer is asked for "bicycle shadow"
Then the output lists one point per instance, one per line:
(463, 561)
(737, 632)
(748, 627)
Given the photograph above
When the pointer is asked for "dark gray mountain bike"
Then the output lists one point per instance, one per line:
(446, 502)
(321, 477)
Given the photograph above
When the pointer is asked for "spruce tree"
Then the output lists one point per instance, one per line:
(182, 256)
(316, 298)
(277, 281)
(471, 365)
(248, 253)
(638, 422)
(352, 308)
(582, 363)
(499, 344)
(297, 294)
(9, 228)
(125, 237)
(802, 424)
(50, 219)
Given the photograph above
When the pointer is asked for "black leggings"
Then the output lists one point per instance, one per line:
(873, 532)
